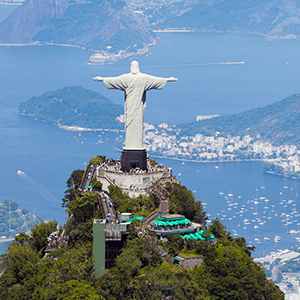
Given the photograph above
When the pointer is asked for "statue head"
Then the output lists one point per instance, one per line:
(134, 68)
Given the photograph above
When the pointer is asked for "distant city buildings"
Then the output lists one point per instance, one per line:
(167, 141)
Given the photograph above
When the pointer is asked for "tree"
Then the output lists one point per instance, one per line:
(19, 266)
(25, 211)
(39, 234)
(96, 184)
(97, 160)
(175, 244)
(69, 290)
(83, 207)
(217, 228)
(10, 204)
(183, 201)
(73, 184)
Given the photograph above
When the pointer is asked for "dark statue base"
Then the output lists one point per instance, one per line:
(132, 159)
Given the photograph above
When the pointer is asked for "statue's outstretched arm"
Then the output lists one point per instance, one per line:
(98, 78)
(172, 79)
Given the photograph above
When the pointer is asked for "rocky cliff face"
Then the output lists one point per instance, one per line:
(25, 22)
(97, 24)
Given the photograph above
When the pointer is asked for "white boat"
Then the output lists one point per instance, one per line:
(266, 238)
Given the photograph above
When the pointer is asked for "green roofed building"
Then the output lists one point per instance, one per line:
(166, 224)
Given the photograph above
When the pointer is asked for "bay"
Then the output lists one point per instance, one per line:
(210, 82)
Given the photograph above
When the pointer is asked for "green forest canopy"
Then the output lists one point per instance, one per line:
(74, 106)
(278, 122)
(227, 272)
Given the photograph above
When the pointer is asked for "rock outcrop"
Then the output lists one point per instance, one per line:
(100, 25)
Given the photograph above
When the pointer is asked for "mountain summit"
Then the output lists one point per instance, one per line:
(101, 25)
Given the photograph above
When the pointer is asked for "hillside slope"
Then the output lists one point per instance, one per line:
(276, 18)
(278, 122)
(73, 106)
(97, 24)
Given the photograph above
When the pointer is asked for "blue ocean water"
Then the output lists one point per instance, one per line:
(6, 10)
(212, 80)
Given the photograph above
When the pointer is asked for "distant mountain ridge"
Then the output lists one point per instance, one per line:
(119, 29)
(278, 123)
(272, 18)
(101, 25)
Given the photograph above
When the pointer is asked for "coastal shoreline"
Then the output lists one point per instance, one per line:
(70, 128)
(198, 161)
(77, 128)
(11, 3)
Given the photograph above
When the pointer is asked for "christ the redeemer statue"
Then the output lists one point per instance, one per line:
(135, 85)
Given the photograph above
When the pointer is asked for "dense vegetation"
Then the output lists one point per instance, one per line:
(278, 122)
(141, 272)
(74, 106)
(14, 220)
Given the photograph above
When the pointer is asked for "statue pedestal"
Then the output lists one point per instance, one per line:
(132, 159)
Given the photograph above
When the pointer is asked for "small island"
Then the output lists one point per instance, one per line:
(74, 108)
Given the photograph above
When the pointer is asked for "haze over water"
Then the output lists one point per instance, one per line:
(212, 80)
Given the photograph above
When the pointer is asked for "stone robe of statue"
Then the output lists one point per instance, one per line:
(135, 85)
